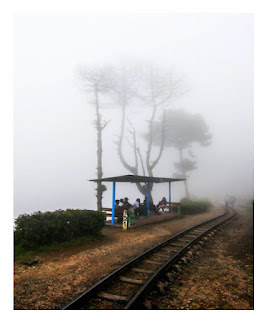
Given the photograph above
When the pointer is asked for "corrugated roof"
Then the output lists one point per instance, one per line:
(132, 178)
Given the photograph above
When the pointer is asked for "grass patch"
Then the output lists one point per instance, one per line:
(23, 254)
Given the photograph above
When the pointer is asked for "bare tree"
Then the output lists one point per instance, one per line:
(160, 87)
(125, 82)
(154, 88)
(150, 86)
(96, 81)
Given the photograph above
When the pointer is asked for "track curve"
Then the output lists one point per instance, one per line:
(125, 287)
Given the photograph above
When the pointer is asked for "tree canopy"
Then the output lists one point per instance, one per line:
(182, 129)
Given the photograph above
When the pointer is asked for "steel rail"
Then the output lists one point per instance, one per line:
(83, 298)
(138, 296)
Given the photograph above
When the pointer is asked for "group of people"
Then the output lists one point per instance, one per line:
(123, 204)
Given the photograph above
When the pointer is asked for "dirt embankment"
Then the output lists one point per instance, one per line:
(61, 276)
(220, 278)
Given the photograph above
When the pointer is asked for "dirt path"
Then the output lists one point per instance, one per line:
(63, 275)
(222, 276)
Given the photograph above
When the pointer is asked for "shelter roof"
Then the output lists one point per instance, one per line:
(132, 178)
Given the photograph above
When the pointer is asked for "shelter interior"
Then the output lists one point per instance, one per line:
(134, 179)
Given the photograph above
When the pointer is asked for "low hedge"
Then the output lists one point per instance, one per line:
(43, 228)
(198, 206)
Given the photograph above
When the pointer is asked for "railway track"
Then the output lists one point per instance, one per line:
(126, 287)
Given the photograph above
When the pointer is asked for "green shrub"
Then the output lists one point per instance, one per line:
(43, 228)
(198, 206)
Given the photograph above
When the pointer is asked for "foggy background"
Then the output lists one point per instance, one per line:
(54, 135)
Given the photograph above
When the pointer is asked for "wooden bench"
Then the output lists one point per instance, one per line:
(174, 205)
(118, 212)
(107, 210)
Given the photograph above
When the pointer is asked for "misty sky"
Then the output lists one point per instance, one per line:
(54, 136)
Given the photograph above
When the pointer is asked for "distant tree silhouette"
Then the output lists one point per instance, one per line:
(182, 131)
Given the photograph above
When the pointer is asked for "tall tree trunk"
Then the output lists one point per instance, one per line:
(186, 189)
(183, 172)
(149, 148)
(99, 129)
(150, 165)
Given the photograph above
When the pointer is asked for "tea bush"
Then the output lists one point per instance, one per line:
(198, 206)
(42, 228)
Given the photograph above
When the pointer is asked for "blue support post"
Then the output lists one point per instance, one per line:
(113, 203)
(169, 195)
(148, 199)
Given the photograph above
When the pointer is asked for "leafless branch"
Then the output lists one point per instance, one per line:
(141, 160)
(162, 143)
(104, 124)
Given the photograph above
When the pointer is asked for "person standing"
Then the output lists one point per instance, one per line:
(136, 206)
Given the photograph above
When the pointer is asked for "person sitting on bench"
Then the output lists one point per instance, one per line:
(162, 204)
(126, 204)
(117, 206)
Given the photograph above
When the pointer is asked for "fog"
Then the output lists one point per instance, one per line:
(54, 133)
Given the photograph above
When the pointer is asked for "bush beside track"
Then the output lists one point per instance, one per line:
(191, 207)
(43, 228)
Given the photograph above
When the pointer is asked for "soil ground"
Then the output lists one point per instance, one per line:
(61, 276)
(221, 277)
